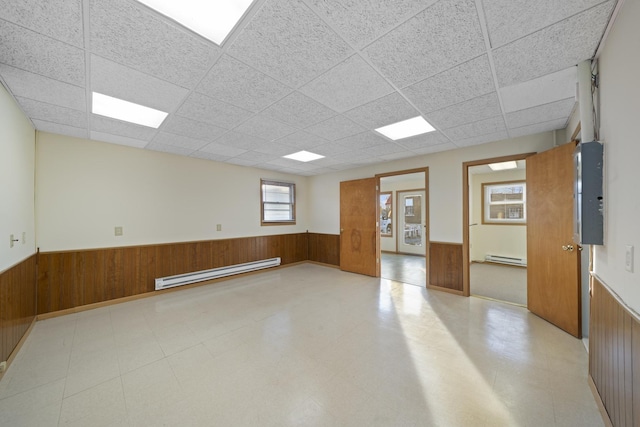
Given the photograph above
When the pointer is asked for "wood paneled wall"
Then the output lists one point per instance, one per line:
(614, 355)
(324, 248)
(17, 304)
(445, 266)
(75, 278)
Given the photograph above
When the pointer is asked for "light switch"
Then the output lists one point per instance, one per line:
(24, 237)
(218, 227)
(628, 258)
(11, 240)
(118, 231)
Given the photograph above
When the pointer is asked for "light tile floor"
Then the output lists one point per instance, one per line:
(304, 345)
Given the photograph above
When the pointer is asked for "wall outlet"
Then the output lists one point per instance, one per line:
(3, 367)
(628, 258)
(218, 227)
(118, 231)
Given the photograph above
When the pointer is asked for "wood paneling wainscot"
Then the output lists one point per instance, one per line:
(614, 355)
(324, 248)
(72, 279)
(17, 304)
(445, 266)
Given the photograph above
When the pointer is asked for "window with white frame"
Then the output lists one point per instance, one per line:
(277, 202)
(504, 203)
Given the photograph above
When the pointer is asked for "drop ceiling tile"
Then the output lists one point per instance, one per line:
(538, 128)
(435, 148)
(287, 163)
(193, 129)
(542, 113)
(209, 110)
(333, 149)
(110, 78)
(482, 127)
(265, 128)
(129, 34)
(43, 126)
(256, 157)
(238, 84)
(275, 148)
(553, 48)
(299, 111)
(117, 139)
(482, 107)
(287, 41)
(165, 138)
(209, 156)
(388, 149)
(421, 141)
(222, 150)
(240, 140)
(363, 141)
(117, 127)
(446, 34)
(329, 162)
(58, 19)
(28, 50)
(242, 162)
(481, 139)
(508, 20)
(357, 156)
(169, 149)
(302, 141)
(543, 90)
(347, 85)
(335, 128)
(40, 88)
(381, 112)
(461, 83)
(53, 113)
(397, 156)
(363, 21)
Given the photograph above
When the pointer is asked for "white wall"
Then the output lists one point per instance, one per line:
(445, 184)
(620, 109)
(86, 188)
(389, 244)
(495, 239)
(17, 146)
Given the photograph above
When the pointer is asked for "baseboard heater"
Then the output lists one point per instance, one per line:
(506, 260)
(214, 273)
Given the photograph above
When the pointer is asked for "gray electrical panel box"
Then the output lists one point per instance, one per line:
(588, 220)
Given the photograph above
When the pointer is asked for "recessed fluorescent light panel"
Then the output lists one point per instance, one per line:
(120, 109)
(503, 166)
(304, 156)
(406, 128)
(212, 19)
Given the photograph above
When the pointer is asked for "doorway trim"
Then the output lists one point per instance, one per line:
(465, 210)
(425, 170)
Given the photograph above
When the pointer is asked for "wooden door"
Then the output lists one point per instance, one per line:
(358, 227)
(553, 268)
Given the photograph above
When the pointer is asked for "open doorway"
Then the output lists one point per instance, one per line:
(404, 236)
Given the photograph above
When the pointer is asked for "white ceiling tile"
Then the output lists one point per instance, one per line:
(446, 34)
(256, 157)
(165, 138)
(298, 110)
(287, 163)
(481, 139)
(543, 90)
(242, 162)
(117, 127)
(171, 149)
(275, 148)
(335, 128)
(117, 139)
(508, 20)
(28, 50)
(332, 149)
(425, 140)
(552, 49)
(538, 128)
(397, 156)
(240, 140)
(40, 88)
(222, 150)
(482, 127)
(348, 85)
(363, 21)
(265, 128)
(542, 113)
(435, 148)
(209, 156)
(238, 84)
(43, 126)
(130, 34)
(384, 111)
(363, 141)
(110, 78)
(466, 81)
(59, 19)
(202, 108)
(193, 129)
(53, 113)
(388, 149)
(302, 141)
(286, 40)
(482, 107)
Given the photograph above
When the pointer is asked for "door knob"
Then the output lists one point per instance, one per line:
(567, 248)
(342, 230)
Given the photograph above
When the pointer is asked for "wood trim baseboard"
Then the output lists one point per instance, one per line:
(18, 346)
(596, 396)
